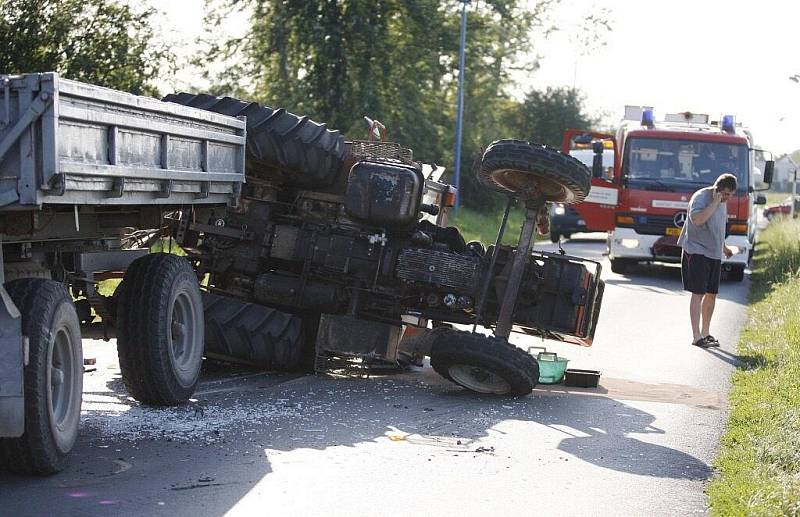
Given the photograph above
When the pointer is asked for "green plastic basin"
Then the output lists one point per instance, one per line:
(551, 366)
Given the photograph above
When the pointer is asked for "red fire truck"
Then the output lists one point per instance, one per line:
(657, 168)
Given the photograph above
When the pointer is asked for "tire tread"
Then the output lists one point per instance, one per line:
(33, 453)
(516, 366)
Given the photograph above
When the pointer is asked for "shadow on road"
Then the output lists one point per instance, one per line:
(208, 455)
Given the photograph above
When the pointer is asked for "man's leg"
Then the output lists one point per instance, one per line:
(707, 310)
(694, 315)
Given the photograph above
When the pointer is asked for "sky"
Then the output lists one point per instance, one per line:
(705, 56)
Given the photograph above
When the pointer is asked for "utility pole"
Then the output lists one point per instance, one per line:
(460, 103)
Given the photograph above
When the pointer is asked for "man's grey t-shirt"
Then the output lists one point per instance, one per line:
(706, 239)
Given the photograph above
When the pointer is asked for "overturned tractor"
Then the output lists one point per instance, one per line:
(335, 245)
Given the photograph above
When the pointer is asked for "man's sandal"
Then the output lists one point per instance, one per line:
(711, 341)
(702, 343)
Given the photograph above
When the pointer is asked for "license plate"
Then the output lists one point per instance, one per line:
(673, 231)
(581, 222)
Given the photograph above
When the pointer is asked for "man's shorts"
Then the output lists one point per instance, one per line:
(700, 274)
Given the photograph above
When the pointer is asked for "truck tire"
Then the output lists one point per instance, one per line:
(53, 378)
(160, 329)
(620, 266)
(280, 145)
(483, 364)
(255, 335)
(513, 167)
(736, 274)
(555, 237)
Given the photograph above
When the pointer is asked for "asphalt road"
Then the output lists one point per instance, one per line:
(415, 444)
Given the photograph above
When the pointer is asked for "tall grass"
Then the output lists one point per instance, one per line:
(759, 462)
(779, 251)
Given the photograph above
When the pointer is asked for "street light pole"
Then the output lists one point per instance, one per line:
(460, 105)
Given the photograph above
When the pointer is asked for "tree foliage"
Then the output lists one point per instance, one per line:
(97, 41)
(545, 115)
(394, 60)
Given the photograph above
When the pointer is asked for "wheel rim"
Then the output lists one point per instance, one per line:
(520, 182)
(61, 379)
(183, 338)
(479, 379)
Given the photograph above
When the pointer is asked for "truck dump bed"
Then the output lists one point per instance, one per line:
(66, 142)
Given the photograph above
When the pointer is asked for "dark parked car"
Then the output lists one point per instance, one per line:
(564, 221)
(784, 209)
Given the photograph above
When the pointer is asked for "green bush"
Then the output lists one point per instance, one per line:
(482, 226)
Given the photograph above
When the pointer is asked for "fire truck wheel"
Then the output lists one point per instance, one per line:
(53, 378)
(484, 364)
(736, 274)
(256, 335)
(305, 153)
(160, 330)
(555, 237)
(517, 168)
(620, 266)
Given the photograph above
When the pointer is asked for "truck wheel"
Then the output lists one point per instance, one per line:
(483, 364)
(620, 266)
(555, 237)
(160, 329)
(256, 335)
(53, 378)
(277, 138)
(516, 166)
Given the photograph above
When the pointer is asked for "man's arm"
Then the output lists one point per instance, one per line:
(705, 214)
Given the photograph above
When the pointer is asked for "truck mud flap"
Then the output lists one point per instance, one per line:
(12, 401)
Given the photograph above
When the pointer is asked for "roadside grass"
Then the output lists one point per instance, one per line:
(480, 225)
(759, 460)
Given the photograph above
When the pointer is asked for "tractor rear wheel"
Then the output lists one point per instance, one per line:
(280, 145)
(255, 335)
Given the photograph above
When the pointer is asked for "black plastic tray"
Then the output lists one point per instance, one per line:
(581, 378)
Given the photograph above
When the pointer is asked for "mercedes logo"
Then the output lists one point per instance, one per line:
(679, 219)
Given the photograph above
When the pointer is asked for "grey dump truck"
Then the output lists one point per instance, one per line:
(303, 251)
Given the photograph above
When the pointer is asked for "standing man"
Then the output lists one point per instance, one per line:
(703, 241)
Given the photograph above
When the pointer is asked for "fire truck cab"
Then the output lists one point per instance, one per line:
(657, 168)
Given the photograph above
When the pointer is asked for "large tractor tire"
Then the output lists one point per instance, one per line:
(255, 335)
(483, 364)
(160, 329)
(280, 145)
(53, 378)
(518, 168)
